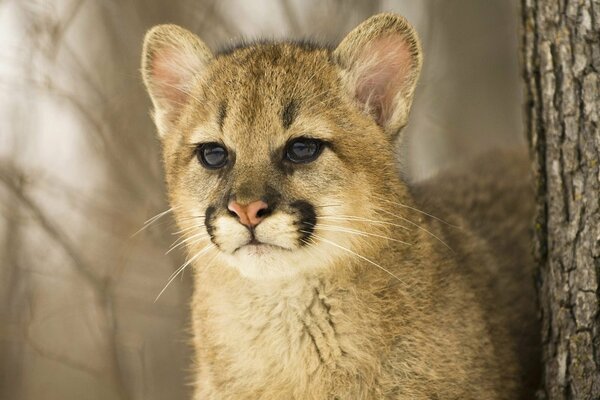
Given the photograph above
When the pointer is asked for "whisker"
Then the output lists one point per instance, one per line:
(328, 205)
(335, 228)
(351, 217)
(304, 241)
(357, 255)
(419, 227)
(188, 262)
(191, 217)
(189, 228)
(417, 210)
(181, 241)
(160, 214)
(191, 245)
(152, 220)
(355, 218)
(208, 263)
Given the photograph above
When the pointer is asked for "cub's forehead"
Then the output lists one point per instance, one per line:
(274, 47)
(265, 87)
(273, 70)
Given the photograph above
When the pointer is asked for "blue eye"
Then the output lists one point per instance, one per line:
(303, 150)
(212, 155)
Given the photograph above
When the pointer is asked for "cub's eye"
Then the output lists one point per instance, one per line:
(212, 155)
(303, 150)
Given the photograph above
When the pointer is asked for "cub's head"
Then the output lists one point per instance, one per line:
(276, 153)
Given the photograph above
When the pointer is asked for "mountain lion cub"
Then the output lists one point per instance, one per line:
(319, 273)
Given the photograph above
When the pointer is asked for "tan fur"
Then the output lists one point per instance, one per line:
(384, 301)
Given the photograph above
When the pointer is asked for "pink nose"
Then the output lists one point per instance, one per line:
(249, 214)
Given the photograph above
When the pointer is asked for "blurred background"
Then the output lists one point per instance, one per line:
(80, 170)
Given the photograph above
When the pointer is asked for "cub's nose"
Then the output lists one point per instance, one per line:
(249, 214)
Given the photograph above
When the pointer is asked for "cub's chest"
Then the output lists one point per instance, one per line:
(297, 334)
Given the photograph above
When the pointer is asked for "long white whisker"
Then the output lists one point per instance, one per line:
(335, 228)
(150, 221)
(189, 228)
(195, 242)
(182, 241)
(160, 214)
(417, 210)
(188, 262)
(202, 251)
(356, 254)
(328, 205)
(354, 218)
(191, 217)
(421, 228)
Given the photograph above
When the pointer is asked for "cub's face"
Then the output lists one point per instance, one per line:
(271, 124)
(275, 154)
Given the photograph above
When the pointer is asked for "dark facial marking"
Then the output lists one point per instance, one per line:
(209, 217)
(222, 114)
(307, 221)
(289, 113)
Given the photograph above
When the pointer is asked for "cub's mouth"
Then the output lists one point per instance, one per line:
(257, 246)
(257, 227)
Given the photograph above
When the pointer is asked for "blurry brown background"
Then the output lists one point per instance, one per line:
(80, 170)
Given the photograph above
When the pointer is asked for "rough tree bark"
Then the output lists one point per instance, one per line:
(561, 54)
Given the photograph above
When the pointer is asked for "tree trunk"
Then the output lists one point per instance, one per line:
(561, 54)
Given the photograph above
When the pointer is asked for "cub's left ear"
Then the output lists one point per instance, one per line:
(381, 61)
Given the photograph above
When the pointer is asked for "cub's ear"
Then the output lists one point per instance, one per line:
(171, 61)
(381, 61)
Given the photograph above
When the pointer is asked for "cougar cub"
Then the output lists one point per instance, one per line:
(319, 273)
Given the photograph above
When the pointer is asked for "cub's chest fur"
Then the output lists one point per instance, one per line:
(287, 327)
(300, 342)
(292, 332)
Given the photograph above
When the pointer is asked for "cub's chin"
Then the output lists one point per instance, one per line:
(267, 262)
(262, 262)
(258, 250)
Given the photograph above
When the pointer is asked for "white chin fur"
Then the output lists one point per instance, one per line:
(271, 263)
(263, 263)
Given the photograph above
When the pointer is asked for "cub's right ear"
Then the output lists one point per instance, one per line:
(172, 60)
(381, 61)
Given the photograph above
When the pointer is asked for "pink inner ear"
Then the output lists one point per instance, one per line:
(384, 66)
(168, 75)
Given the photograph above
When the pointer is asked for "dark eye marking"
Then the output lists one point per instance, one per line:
(307, 220)
(289, 113)
(222, 114)
(212, 155)
(303, 150)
